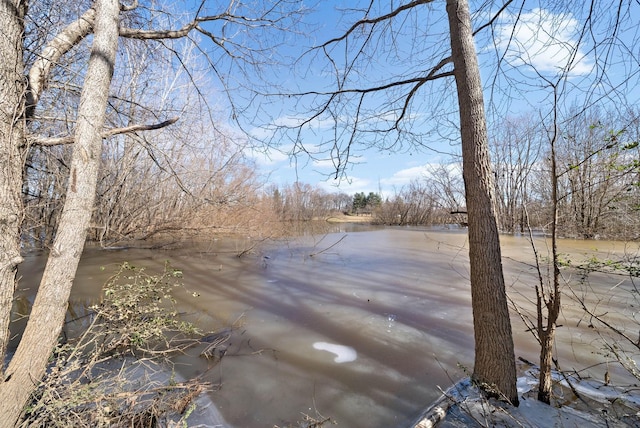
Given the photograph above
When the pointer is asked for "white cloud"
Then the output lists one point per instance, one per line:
(544, 40)
(266, 157)
(324, 164)
(349, 185)
(270, 156)
(406, 176)
(291, 122)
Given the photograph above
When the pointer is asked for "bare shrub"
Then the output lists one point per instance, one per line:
(618, 331)
(116, 373)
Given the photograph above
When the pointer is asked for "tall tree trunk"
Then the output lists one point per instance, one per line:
(12, 140)
(47, 316)
(494, 356)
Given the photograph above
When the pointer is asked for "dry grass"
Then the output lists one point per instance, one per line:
(344, 218)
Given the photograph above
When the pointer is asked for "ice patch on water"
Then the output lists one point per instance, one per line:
(344, 354)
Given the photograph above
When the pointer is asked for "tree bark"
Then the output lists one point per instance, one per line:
(12, 139)
(546, 361)
(47, 315)
(494, 366)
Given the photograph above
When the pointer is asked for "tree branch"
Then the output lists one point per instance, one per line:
(69, 139)
(376, 20)
(136, 33)
(493, 19)
(51, 54)
(128, 7)
(414, 80)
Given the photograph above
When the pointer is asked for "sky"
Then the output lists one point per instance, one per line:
(534, 45)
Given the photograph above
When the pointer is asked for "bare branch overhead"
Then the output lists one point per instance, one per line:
(369, 21)
(69, 139)
(53, 51)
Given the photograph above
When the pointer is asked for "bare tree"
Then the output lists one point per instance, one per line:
(232, 34)
(595, 178)
(304, 202)
(448, 186)
(414, 204)
(385, 66)
(515, 151)
(548, 290)
(494, 360)
(49, 308)
(585, 39)
(12, 135)
(548, 295)
(601, 34)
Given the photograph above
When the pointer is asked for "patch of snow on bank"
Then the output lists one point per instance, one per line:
(601, 405)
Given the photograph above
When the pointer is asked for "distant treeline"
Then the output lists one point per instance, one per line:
(215, 189)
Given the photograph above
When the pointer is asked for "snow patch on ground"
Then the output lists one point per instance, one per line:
(599, 405)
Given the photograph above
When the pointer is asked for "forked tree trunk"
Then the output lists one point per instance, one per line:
(12, 140)
(494, 356)
(47, 315)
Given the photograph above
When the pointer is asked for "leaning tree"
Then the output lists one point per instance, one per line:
(34, 42)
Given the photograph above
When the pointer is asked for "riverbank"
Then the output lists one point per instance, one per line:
(577, 402)
(348, 218)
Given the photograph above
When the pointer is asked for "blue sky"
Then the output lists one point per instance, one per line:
(542, 40)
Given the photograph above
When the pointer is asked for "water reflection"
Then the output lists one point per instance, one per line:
(361, 327)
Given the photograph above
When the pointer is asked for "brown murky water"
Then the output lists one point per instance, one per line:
(362, 327)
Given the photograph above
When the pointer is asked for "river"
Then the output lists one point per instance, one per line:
(360, 325)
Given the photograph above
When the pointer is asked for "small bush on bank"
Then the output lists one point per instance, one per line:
(115, 373)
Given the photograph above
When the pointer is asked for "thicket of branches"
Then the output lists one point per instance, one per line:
(598, 180)
(198, 174)
(117, 371)
(195, 175)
